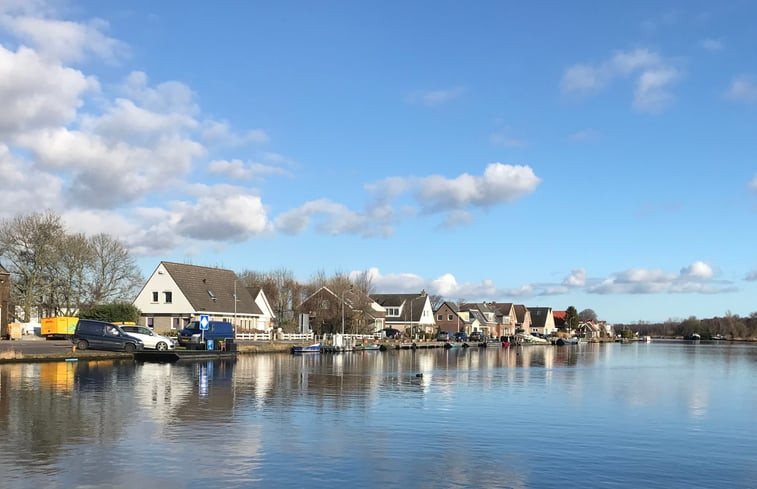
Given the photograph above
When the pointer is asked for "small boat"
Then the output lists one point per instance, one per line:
(529, 339)
(369, 347)
(693, 337)
(567, 341)
(718, 337)
(314, 348)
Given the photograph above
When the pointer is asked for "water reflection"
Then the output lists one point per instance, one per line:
(459, 417)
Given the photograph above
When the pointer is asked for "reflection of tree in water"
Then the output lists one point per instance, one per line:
(39, 418)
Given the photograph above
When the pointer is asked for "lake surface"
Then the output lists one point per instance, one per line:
(657, 415)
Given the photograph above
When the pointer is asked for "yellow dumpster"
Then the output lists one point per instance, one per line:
(58, 327)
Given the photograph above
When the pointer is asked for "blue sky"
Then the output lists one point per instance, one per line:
(594, 154)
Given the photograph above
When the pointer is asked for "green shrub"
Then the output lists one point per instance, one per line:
(122, 312)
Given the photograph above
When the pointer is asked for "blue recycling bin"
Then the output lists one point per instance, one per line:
(210, 344)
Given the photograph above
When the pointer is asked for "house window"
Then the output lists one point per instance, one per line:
(449, 318)
(155, 296)
(324, 304)
(151, 323)
(393, 311)
(168, 297)
(440, 317)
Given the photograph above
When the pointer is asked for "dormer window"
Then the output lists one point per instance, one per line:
(211, 294)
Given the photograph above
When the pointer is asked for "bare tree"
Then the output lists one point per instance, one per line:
(436, 301)
(69, 275)
(587, 315)
(29, 246)
(113, 273)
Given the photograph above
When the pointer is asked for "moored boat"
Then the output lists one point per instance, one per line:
(314, 348)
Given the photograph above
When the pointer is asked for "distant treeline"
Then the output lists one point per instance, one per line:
(731, 327)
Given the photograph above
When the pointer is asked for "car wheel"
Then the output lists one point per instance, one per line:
(129, 347)
(82, 344)
(161, 346)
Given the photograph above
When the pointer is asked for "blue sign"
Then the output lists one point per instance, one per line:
(204, 322)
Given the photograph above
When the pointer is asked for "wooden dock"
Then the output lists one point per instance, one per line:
(172, 356)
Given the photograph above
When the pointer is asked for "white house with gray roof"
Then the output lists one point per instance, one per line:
(177, 293)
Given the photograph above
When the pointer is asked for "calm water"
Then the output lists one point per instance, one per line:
(664, 415)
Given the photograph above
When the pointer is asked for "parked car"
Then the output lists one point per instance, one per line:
(461, 336)
(150, 338)
(443, 336)
(217, 330)
(477, 336)
(392, 333)
(100, 335)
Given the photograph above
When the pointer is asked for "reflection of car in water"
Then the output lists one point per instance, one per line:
(99, 335)
(151, 339)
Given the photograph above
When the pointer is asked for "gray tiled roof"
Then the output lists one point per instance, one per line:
(520, 312)
(539, 316)
(211, 289)
(397, 300)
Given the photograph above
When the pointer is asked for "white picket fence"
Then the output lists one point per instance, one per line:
(274, 336)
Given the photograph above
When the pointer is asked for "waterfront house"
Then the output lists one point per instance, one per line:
(5, 298)
(589, 330)
(325, 311)
(407, 312)
(542, 320)
(449, 318)
(485, 314)
(177, 293)
(561, 319)
(506, 318)
(522, 318)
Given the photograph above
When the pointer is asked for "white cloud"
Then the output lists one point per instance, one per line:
(743, 89)
(64, 40)
(651, 93)
(698, 271)
(220, 133)
(577, 278)
(457, 218)
(445, 285)
(500, 183)
(333, 218)
(38, 94)
(653, 77)
(221, 217)
(434, 98)
(94, 163)
(239, 170)
(25, 187)
(695, 278)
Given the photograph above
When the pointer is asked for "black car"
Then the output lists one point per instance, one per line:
(461, 336)
(99, 335)
(392, 333)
